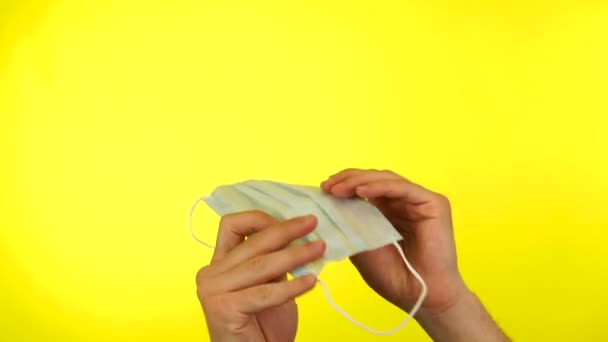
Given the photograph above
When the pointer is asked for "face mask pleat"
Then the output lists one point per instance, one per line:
(226, 200)
(336, 247)
(363, 220)
(356, 233)
(261, 201)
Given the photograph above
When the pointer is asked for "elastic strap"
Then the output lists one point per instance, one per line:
(190, 222)
(412, 312)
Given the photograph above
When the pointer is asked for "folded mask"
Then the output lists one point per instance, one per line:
(347, 225)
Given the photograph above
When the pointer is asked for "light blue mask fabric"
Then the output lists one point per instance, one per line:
(348, 226)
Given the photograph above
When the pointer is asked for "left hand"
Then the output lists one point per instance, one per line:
(244, 291)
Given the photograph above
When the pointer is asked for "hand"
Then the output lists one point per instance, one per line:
(424, 220)
(244, 291)
(450, 311)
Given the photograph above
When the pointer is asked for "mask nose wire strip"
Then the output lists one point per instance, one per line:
(190, 223)
(412, 312)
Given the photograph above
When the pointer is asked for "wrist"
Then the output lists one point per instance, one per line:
(446, 322)
(459, 297)
(443, 296)
(450, 308)
(465, 319)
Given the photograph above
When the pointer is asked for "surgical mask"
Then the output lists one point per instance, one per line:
(347, 226)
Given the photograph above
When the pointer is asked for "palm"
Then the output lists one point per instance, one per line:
(383, 268)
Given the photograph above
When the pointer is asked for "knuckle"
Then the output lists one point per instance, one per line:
(283, 234)
(217, 304)
(261, 217)
(259, 214)
(227, 219)
(443, 199)
(296, 253)
(391, 174)
(257, 265)
(265, 293)
(254, 215)
(201, 274)
(203, 282)
(349, 182)
(443, 202)
(349, 172)
(301, 254)
(439, 206)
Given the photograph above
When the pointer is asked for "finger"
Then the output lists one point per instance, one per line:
(397, 188)
(235, 227)
(282, 277)
(265, 268)
(338, 177)
(271, 239)
(259, 298)
(346, 187)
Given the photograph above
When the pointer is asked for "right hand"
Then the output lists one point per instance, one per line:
(244, 291)
(424, 220)
(450, 312)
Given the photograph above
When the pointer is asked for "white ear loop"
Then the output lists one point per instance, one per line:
(412, 312)
(190, 222)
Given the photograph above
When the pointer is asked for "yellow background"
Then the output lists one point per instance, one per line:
(116, 115)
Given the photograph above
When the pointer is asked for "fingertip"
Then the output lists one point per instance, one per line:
(332, 180)
(308, 223)
(342, 190)
(311, 220)
(319, 245)
(327, 184)
(309, 280)
(306, 219)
